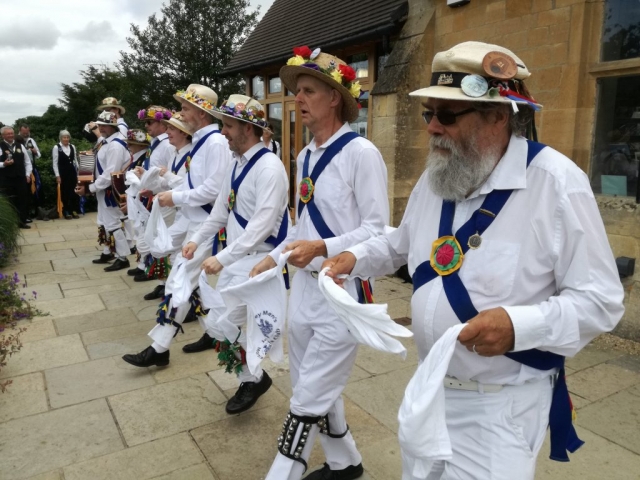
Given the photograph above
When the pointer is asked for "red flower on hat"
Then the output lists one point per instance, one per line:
(304, 51)
(348, 73)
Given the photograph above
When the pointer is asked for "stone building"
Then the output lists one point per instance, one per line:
(584, 56)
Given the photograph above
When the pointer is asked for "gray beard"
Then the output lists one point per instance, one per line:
(453, 175)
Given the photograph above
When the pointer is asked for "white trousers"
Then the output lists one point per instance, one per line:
(495, 436)
(322, 353)
(170, 216)
(110, 219)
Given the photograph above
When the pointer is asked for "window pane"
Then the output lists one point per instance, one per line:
(293, 184)
(275, 119)
(621, 34)
(616, 153)
(360, 125)
(275, 85)
(257, 87)
(360, 63)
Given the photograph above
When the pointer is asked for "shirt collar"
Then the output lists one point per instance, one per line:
(248, 155)
(113, 136)
(343, 129)
(162, 136)
(184, 149)
(203, 131)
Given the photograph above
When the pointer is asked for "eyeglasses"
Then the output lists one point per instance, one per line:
(445, 117)
(149, 122)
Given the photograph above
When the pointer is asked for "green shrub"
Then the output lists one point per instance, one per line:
(9, 231)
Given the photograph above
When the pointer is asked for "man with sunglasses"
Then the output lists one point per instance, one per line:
(503, 234)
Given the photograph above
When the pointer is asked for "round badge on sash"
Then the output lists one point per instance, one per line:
(306, 189)
(446, 255)
(474, 86)
(474, 241)
(499, 65)
(231, 200)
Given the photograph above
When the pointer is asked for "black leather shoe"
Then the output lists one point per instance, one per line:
(325, 473)
(119, 264)
(75, 215)
(142, 277)
(248, 394)
(134, 250)
(135, 271)
(104, 258)
(25, 226)
(158, 292)
(205, 343)
(191, 317)
(147, 358)
(28, 220)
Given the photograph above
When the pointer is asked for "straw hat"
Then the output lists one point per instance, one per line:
(107, 118)
(328, 69)
(154, 112)
(178, 122)
(136, 136)
(198, 95)
(111, 102)
(243, 108)
(478, 72)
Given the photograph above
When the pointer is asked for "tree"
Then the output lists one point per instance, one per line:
(47, 125)
(191, 42)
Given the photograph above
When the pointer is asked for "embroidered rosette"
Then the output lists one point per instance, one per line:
(306, 189)
(446, 255)
(231, 199)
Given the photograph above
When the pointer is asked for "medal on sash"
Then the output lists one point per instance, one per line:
(475, 241)
(231, 200)
(306, 189)
(446, 255)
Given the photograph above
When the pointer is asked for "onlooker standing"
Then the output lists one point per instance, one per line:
(65, 166)
(15, 173)
(36, 193)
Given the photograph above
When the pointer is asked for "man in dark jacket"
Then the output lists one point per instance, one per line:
(15, 173)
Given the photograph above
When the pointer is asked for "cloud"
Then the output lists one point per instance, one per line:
(95, 32)
(29, 33)
(12, 110)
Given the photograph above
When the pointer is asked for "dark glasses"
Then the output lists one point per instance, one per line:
(445, 117)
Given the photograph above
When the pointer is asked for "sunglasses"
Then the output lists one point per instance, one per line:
(445, 117)
(149, 122)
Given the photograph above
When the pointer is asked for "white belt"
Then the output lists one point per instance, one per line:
(450, 382)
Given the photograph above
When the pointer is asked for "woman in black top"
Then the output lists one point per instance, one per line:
(65, 166)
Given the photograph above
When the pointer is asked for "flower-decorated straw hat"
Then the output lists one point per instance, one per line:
(480, 72)
(202, 97)
(328, 69)
(111, 102)
(107, 118)
(178, 122)
(243, 108)
(154, 112)
(136, 136)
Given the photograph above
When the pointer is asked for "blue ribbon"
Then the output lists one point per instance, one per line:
(150, 150)
(176, 168)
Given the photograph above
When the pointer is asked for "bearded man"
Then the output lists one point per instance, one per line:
(504, 234)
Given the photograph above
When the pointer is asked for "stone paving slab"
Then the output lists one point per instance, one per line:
(94, 321)
(84, 242)
(142, 462)
(25, 396)
(75, 284)
(186, 364)
(55, 277)
(52, 475)
(54, 439)
(67, 307)
(27, 249)
(198, 472)
(119, 347)
(49, 353)
(376, 362)
(590, 357)
(167, 409)
(113, 333)
(601, 381)
(46, 256)
(39, 330)
(28, 268)
(48, 238)
(94, 379)
(43, 292)
(80, 292)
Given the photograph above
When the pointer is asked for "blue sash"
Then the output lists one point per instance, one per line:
(176, 168)
(109, 199)
(563, 434)
(207, 207)
(150, 150)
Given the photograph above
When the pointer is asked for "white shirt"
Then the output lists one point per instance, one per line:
(163, 152)
(545, 259)
(351, 194)
(27, 158)
(54, 155)
(261, 200)
(123, 128)
(272, 144)
(113, 158)
(171, 180)
(207, 169)
(30, 142)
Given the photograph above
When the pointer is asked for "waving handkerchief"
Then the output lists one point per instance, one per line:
(369, 324)
(156, 234)
(178, 284)
(422, 432)
(151, 180)
(216, 324)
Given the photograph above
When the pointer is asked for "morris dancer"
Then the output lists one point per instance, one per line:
(342, 200)
(503, 233)
(111, 104)
(138, 143)
(206, 165)
(253, 208)
(113, 156)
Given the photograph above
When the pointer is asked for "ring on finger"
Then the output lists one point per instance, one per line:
(474, 350)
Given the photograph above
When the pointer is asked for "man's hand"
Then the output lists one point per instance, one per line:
(80, 190)
(303, 251)
(212, 266)
(165, 199)
(29, 179)
(267, 263)
(163, 170)
(139, 171)
(59, 180)
(123, 208)
(8, 162)
(491, 332)
(33, 150)
(341, 264)
(146, 193)
(189, 249)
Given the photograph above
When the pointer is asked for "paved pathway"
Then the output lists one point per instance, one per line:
(75, 410)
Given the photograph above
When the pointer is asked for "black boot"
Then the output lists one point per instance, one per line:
(135, 271)
(248, 394)
(191, 316)
(205, 343)
(119, 264)
(158, 292)
(325, 473)
(147, 358)
(104, 258)
(143, 277)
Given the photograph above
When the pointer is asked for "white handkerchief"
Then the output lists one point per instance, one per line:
(422, 430)
(156, 233)
(217, 323)
(178, 284)
(131, 178)
(151, 180)
(369, 324)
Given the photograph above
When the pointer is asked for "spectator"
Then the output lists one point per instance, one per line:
(65, 166)
(35, 192)
(15, 173)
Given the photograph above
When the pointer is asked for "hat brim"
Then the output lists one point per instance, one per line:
(289, 75)
(453, 93)
(221, 115)
(119, 107)
(133, 142)
(115, 125)
(182, 129)
(182, 100)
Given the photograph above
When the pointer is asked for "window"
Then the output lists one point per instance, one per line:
(275, 119)
(275, 85)
(360, 63)
(257, 87)
(360, 125)
(616, 154)
(621, 34)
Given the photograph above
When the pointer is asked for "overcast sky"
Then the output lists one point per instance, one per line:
(45, 43)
